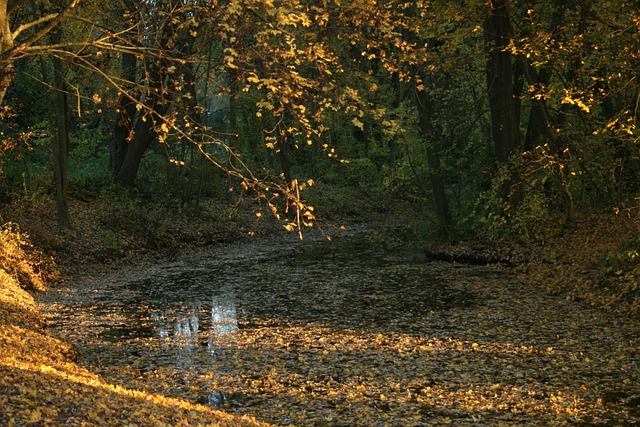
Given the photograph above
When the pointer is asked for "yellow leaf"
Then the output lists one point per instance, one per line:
(36, 416)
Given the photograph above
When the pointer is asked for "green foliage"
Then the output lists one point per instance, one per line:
(111, 242)
(89, 170)
(130, 212)
(405, 183)
(516, 209)
(624, 259)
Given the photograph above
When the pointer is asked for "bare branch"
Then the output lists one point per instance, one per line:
(11, 53)
(28, 25)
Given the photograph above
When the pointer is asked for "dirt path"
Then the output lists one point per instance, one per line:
(350, 350)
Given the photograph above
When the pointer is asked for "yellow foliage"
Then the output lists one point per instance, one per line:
(18, 259)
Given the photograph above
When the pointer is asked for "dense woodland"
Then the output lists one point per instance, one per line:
(494, 131)
(501, 116)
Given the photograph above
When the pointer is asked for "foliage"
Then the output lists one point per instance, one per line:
(290, 92)
(529, 220)
(20, 260)
(622, 259)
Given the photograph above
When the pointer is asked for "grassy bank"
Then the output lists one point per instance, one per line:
(596, 260)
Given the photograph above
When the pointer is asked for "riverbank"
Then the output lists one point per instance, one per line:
(596, 260)
(40, 382)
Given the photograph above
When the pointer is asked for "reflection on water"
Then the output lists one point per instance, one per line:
(184, 331)
(194, 308)
(224, 323)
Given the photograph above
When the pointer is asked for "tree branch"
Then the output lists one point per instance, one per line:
(7, 56)
(24, 27)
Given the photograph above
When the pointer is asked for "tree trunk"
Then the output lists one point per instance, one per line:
(539, 122)
(433, 160)
(59, 130)
(144, 131)
(125, 114)
(143, 135)
(7, 70)
(505, 120)
(61, 155)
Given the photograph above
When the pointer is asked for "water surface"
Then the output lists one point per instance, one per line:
(344, 333)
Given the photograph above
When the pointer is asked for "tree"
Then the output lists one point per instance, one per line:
(59, 129)
(501, 84)
(12, 47)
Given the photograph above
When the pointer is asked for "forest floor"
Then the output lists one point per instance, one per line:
(597, 260)
(591, 263)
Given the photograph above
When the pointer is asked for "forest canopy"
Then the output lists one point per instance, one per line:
(500, 116)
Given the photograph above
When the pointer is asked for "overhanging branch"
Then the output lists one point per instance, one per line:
(11, 53)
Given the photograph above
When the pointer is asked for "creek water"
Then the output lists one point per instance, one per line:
(341, 333)
(198, 304)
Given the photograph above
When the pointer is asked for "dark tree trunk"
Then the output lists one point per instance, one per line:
(125, 114)
(156, 104)
(539, 122)
(144, 131)
(62, 147)
(432, 140)
(505, 120)
(59, 129)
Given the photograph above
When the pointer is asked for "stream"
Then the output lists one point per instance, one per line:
(347, 333)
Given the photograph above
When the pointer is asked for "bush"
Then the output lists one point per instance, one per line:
(624, 259)
(517, 208)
